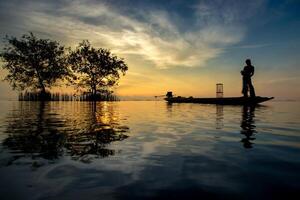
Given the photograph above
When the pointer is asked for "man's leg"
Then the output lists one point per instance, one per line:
(245, 88)
(252, 91)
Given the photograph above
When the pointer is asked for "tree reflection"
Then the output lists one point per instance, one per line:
(34, 131)
(248, 126)
(100, 128)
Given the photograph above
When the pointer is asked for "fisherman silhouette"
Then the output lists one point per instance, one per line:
(247, 73)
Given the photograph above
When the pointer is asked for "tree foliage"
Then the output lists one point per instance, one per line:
(33, 63)
(96, 69)
(38, 64)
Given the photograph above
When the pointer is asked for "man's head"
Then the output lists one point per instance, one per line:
(248, 62)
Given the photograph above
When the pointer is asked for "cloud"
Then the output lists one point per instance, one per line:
(154, 37)
(252, 46)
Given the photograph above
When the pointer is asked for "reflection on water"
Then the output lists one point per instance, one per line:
(247, 123)
(36, 131)
(81, 150)
(219, 116)
(248, 126)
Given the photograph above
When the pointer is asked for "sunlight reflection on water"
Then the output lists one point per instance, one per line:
(133, 150)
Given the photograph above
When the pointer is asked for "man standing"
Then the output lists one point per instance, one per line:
(247, 73)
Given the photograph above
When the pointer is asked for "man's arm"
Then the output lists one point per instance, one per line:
(252, 72)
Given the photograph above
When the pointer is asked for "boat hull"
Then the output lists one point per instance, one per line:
(221, 101)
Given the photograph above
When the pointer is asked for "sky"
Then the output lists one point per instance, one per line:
(184, 46)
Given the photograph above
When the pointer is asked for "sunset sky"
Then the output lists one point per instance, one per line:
(184, 46)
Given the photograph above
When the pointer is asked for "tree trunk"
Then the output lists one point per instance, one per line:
(43, 95)
(42, 87)
(94, 92)
(43, 91)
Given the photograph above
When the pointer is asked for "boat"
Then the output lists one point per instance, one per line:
(219, 100)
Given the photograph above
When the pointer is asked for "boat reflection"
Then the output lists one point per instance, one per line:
(248, 126)
(39, 130)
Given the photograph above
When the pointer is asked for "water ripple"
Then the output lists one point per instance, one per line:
(135, 150)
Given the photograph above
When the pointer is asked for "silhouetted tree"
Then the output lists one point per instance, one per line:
(33, 63)
(97, 69)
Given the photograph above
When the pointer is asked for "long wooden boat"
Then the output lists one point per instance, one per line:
(221, 101)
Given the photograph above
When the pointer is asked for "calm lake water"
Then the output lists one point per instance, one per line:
(146, 150)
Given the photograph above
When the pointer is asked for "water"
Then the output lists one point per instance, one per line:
(146, 150)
